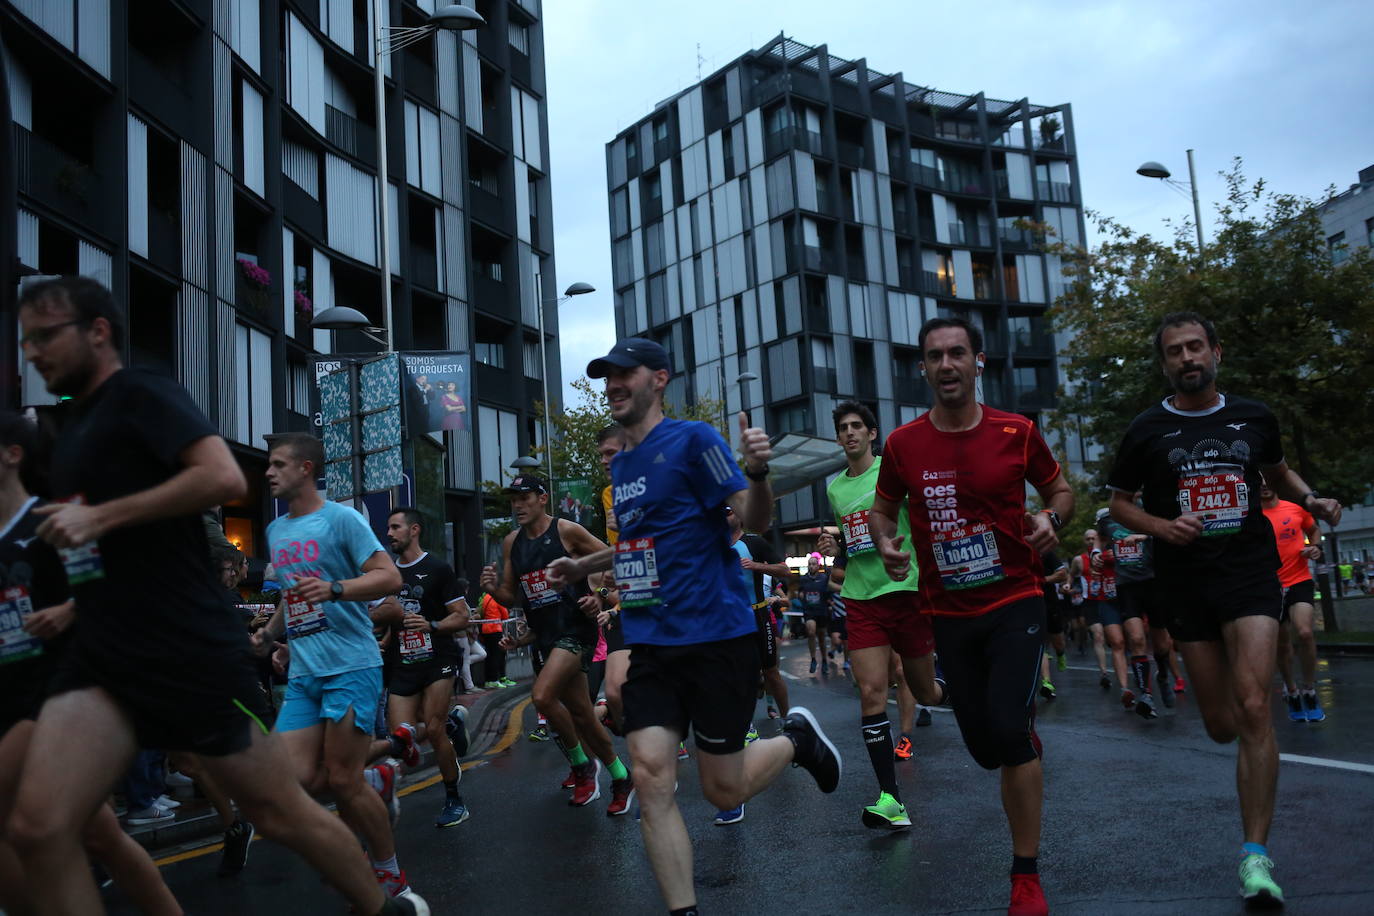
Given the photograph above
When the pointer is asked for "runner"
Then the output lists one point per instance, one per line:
(965, 467)
(1098, 567)
(883, 614)
(609, 443)
(1299, 540)
(562, 621)
(1140, 607)
(1196, 458)
(839, 631)
(422, 656)
(1089, 610)
(694, 661)
(814, 586)
(158, 657)
(1056, 575)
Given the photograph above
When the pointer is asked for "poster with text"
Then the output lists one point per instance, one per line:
(439, 398)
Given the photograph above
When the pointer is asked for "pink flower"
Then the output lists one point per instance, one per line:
(253, 273)
(303, 303)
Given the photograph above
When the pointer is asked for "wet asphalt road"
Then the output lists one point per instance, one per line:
(1140, 817)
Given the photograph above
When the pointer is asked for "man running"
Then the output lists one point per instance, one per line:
(422, 655)
(1091, 609)
(1056, 574)
(610, 441)
(1299, 540)
(158, 657)
(1140, 607)
(964, 467)
(1098, 568)
(1196, 457)
(883, 613)
(694, 662)
(814, 586)
(559, 620)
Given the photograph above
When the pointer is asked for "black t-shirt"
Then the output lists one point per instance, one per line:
(429, 587)
(815, 591)
(762, 552)
(551, 613)
(1052, 564)
(31, 579)
(155, 599)
(1206, 463)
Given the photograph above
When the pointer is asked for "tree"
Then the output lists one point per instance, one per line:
(1296, 330)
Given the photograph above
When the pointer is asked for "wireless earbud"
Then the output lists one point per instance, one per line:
(980, 364)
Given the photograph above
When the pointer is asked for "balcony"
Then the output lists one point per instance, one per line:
(164, 239)
(984, 288)
(1060, 192)
(821, 260)
(825, 379)
(490, 294)
(1031, 336)
(424, 267)
(849, 152)
(858, 271)
(970, 234)
(1014, 239)
(908, 277)
(910, 390)
(937, 285)
(790, 138)
(1034, 397)
(1003, 184)
(250, 297)
(963, 131)
(486, 207)
(865, 385)
(60, 181)
(344, 131)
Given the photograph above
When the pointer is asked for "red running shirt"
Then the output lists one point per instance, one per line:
(968, 509)
(1291, 524)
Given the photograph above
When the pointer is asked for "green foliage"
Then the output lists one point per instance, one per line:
(1296, 331)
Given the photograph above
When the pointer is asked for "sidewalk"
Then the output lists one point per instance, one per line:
(488, 710)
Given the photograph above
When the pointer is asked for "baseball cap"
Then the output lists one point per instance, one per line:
(527, 483)
(628, 353)
(1102, 513)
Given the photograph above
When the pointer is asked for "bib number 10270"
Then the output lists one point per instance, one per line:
(636, 572)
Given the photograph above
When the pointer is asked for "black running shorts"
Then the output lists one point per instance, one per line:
(711, 687)
(408, 680)
(1198, 608)
(1136, 599)
(1304, 592)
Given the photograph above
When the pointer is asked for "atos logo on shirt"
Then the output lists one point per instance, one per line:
(630, 490)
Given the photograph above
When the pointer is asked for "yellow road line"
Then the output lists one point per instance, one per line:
(508, 737)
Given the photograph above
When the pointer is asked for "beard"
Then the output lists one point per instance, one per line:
(72, 379)
(641, 400)
(1206, 375)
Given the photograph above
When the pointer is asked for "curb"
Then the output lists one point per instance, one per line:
(1364, 649)
(492, 718)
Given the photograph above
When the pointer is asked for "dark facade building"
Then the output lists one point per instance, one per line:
(797, 216)
(215, 163)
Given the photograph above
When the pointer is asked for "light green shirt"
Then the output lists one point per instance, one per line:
(851, 498)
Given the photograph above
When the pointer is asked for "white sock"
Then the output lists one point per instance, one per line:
(387, 865)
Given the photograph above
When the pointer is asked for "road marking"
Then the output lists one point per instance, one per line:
(1325, 762)
(508, 737)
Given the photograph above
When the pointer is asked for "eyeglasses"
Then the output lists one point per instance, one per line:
(41, 337)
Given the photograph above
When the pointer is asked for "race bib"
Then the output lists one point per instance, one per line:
(967, 557)
(1109, 588)
(538, 592)
(83, 564)
(415, 646)
(1219, 501)
(15, 643)
(856, 536)
(1129, 554)
(811, 597)
(636, 572)
(302, 617)
(1094, 589)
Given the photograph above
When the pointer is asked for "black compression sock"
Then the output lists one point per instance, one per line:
(1162, 664)
(451, 791)
(1140, 664)
(1025, 865)
(878, 739)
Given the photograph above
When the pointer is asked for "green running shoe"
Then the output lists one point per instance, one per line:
(1258, 889)
(751, 736)
(507, 682)
(1062, 662)
(886, 813)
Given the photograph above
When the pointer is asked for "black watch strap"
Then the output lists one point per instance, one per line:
(760, 474)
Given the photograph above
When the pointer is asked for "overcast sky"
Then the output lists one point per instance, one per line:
(1283, 84)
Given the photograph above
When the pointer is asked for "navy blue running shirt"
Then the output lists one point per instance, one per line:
(678, 574)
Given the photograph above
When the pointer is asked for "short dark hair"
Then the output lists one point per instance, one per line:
(16, 429)
(975, 336)
(861, 410)
(614, 431)
(88, 300)
(303, 446)
(412, 515)
(1178, 320)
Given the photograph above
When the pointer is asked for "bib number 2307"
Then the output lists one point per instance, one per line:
(636, 572)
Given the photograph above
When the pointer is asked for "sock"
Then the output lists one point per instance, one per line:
(387, 865)
(1140, 664)
(451, 791)
(1025, 865)
(1308, 691)
(878, 739)
(684, 911)
(398, 747)
(1162, 664)
(1254, 849)
(577, 756)
(617, 769)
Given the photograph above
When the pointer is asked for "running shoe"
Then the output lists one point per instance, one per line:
(235, 855)
(732, 816)
(922, 717)
(1047, 690)
(1295, 711)
(168, 802)
(682, 751)
(1256, 885)
(491, 685)
(382, 777)
(1179, 686)
(1061, 662)
(886, 814)
(751, 736)
(1027, 897)
(1313, 707)
(456, 726)
(539, 733)
(622, 793)
(407, 748)
(1166, 690)
(1127, 698)
(507, 682)
(153, 814)
(813, 664)
(454, 813)
(1105, 682)
(393, 883)
(1145, 707)
(903, 749)
(588, 786)
(178, 779)
(570, 781)
(812, 750)
(411, 904)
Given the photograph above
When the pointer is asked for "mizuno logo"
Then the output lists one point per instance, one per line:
(1177, 432)
(1235, 426)
(23, 542)
(421, 575)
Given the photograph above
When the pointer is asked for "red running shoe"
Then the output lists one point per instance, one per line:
(570, 781)
(405, 735)
(1179, 686)
(1027, 898)
(622, 793)
(394, 885)
(1128, 699)
(903, 749)
(588, 787)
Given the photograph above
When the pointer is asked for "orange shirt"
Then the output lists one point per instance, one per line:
(1291, 524)
(493, 610)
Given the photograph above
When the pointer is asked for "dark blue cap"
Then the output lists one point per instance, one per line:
(628, 353)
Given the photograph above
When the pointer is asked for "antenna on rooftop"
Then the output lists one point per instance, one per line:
(700, 60)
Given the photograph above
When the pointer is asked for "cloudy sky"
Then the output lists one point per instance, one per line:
(1283, 84)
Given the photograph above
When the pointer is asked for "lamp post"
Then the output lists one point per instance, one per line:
(577, 289)
(388, 40)
(742, 381)
(1154, 169)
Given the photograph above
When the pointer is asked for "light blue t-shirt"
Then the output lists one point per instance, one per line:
(331, 543)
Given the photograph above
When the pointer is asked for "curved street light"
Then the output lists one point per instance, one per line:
(579, 288)
(1152, 169)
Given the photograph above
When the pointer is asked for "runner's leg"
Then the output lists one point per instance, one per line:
(1210, 669)
(596, 740)
(654, 752)
(871, 672)
(617, 667)
(129, 864)
(1302, 614)
(777, 688)
(1284, 659)
(1099, 648)
(344, 755)
(560, 666)
(1117, 641)
(1250, 649)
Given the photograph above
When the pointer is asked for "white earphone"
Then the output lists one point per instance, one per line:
(980, 364)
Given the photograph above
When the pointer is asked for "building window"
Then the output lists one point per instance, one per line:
(499, 439)
(653, 187)
(533, 364)
(1336, 245)
(520, 37)
(490, 354)
(252, 385)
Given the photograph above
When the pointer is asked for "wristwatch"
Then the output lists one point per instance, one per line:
(336, 589)
(1309, 494)
(603, 592)
(760, 474)
(1055, 523)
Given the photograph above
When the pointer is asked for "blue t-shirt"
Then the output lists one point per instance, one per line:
(679, 576)
(331, 543)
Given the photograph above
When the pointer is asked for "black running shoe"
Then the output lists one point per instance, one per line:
(1145, 707)
(1166, 690)
(237, 839)
(813, 751)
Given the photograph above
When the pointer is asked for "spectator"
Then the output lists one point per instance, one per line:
(495, 668)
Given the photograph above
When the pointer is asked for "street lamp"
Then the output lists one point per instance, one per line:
(1154, 169)
(744, 379)
(389, 40)
(343, 318)
(576, 289)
